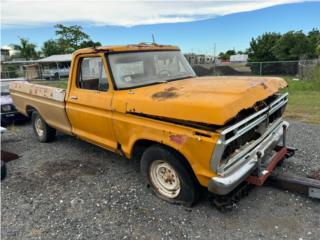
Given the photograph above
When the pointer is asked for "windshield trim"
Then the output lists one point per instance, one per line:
(115, 87)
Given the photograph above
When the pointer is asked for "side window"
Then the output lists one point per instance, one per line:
(92, 74)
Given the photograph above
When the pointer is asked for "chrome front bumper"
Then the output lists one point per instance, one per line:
(226, 182)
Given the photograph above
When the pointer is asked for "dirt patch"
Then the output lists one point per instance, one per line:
(166, 94)
(71, 168)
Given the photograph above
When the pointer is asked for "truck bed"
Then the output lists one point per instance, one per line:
(48, 101)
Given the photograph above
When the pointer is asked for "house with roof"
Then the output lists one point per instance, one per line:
(52, 67)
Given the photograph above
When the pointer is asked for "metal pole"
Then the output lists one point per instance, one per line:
(153, 39)
(260, 68)
(214, 59)
(58, 70)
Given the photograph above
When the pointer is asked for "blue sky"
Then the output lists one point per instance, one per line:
(228, 31)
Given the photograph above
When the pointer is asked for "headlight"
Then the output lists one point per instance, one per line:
(6, 108)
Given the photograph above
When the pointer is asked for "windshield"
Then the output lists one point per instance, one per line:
(143, 68)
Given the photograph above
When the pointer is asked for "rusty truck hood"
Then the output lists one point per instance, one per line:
(210, 100)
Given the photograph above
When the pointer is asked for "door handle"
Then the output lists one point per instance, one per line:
(74, 97)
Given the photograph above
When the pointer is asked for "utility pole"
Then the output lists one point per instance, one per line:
(214, 59)
(153, 40)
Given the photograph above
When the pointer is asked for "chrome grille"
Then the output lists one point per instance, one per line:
(237, 137)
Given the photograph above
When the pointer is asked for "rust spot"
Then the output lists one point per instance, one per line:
(166, 94)
(178, 139)
(170, 89)
(264, 85)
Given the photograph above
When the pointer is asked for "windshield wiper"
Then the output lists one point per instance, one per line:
(161, 81)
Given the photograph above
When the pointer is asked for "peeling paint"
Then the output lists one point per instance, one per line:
(166, 94)
(264, 85)
(39, 90)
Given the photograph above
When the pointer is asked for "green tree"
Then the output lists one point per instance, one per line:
(222, 56)
(26, 49)
(261, 48)
(89, 43)
(292, 46)
(318, 50)
(70, 37)
(314, 38)
(226, 56)
(51, 47)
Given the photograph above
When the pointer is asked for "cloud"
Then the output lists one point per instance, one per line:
(121, 13)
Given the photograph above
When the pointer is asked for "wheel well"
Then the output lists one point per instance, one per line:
(30, 110)
(141, 145)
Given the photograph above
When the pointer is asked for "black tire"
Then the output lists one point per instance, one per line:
(188, 192)
(3, 170)
(4, 123)
(48, 134)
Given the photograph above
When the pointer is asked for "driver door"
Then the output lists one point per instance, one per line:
(89, 102)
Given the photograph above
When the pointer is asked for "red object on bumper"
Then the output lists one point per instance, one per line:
(259, 180)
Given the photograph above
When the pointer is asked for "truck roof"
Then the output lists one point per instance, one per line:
(128, 48)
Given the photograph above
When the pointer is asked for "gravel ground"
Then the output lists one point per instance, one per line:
(70, 189)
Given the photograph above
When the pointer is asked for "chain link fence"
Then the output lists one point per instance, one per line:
(303, 69)
(33, 72)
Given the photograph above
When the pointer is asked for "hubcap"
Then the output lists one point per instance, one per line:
(39, 127)
(165, 179)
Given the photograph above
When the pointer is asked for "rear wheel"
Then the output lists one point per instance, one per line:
(168, 176)
(42, 130)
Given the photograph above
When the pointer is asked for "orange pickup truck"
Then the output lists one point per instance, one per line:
(145, 101)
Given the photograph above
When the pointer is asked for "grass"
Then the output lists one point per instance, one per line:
(304, 100)
(52, 83)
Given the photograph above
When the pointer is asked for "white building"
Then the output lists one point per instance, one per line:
(239, 58)
(194, 59)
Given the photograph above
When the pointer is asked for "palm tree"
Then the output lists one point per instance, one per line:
(27, 49)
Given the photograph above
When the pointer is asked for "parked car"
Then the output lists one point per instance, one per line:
(145, 101)
(3, 164)
(9, 114)
(54, 73)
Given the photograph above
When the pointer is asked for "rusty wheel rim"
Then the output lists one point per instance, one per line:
(165, 179)
(39, 127)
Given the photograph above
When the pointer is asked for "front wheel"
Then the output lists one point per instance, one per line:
(42, 130)
(169, 177)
